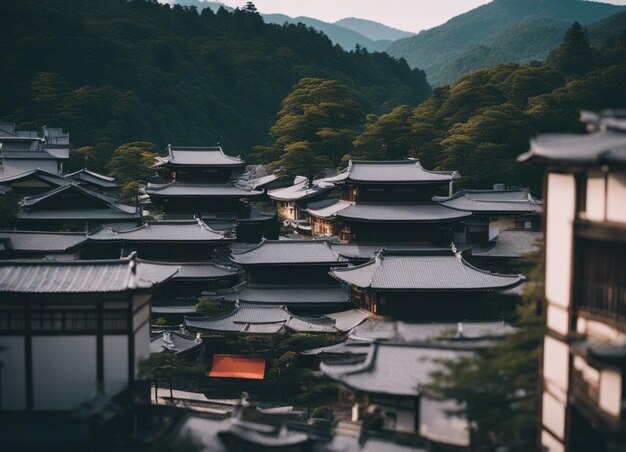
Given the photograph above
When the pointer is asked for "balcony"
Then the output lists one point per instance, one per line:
(601, 301)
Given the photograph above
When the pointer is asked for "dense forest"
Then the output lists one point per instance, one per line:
(115, 71)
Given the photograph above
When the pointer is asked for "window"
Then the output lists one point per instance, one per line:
(59, 321)
(114, 321)
(11, 321)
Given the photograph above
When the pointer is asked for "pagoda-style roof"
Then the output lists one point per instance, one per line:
(367, 251)
(295, 295)
(92, 178)
(408, 171)
(41, 241)
(183, 231)
(254, 319)
(173, 342)
(92, 276)
(400, 213)
(393, 369)
(301, 189)
(327, 209)
(511, 243)
(189, 156)
(188, 190)
(47, 178)
(605, 145)
(288, 252)
(190, 271)
(102, 207)
(511, 201)
(418, 270)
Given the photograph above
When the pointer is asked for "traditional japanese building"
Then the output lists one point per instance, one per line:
(72, 330)
(388, 201)
(33, 182)
(493, 211)
(73, 207)
(584, 349)
(94, 181)
(508, 251)
(22, 151)
(41, 244)
(175, 343)
(202, 182)
(292, 273)
(292, 201)
(422, 285)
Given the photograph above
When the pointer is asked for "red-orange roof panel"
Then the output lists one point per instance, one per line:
(237, 366)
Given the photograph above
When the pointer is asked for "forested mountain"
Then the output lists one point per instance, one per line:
(373, 30)
(503, 31)
(117, 71)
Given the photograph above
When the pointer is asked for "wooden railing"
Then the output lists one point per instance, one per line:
(601, 299)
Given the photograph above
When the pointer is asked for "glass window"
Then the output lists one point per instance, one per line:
(114, 321)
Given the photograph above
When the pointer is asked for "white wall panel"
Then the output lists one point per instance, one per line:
(142, 345)
(115, 363)
(556, 365)
(595, 195)
(616, 198)
(13, 373)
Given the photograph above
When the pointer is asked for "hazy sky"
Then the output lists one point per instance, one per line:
(410, 15)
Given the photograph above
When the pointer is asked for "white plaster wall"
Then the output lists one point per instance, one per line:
(142, 345)
(550, 443)
(616, 197)
(561, 203)
(405, 421)
(595, 195)
(141, 316)
(115, 363)
(553, 412)
(64, 371)
(598, 330)
(496, 225)
(611, 391)
(556, 366)
(139, 300)
(557, 319)
(13, 373)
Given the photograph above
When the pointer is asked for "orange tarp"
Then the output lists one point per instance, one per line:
(237, 366)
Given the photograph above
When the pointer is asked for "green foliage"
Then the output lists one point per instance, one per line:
(209, 307)
(131, 163)
(323, 412)
(115, 71)
(574, 55)
(497, 388)
(386, 137)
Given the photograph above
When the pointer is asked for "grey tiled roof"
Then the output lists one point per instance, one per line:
(91, 177)
(198, 156)
(512, 243)
(327, 208)
(606, 145)
(505, 201)
(200, 190)
(391, 171)
(44, 175)
(296, 295)
(416, 270)
(42, 241)
(254, 319)
(196, 270)
(412, 213)
(291, 252)
(104, 200)
(80, 276)
(173, 342)
(394, 369)
(368, 250)
(171, 231)
(110, 214)
(300, 190)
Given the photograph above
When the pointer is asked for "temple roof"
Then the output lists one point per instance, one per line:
(171, 231)
(360, 251)
(300, 190)
(195, 270)
(327, 208)
(605, 145)
(393, 369)
(417, 270)
(408, 171)
(38, 173)
(200, 190)
(292, 295)
(501, 201)
(173, 342)
(410, 213)
(33, 241)
(90, 177)
(288, 252)
(254, 319)
(511, 243)
(212, 156)
(91, 276)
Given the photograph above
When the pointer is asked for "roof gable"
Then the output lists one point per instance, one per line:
(212, 156)
(392, 171)
(288, 252)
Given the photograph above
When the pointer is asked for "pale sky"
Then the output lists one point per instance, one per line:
(409, 15)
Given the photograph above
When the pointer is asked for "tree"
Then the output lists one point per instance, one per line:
(300, 158)
(131, 163)
(250, 7)
(386, 137)
(209, 307)
(574, 55)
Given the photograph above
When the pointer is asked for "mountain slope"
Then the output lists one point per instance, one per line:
(455, 43)
(345, 37)
(115, 71)
(373, 30)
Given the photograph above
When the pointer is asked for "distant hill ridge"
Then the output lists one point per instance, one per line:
(498, 32)
(373, 30)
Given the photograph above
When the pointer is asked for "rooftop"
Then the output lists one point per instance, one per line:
(327, 208)
(212, 156)
(170, 231)
(288, 252)
(93, 276)
(254, 319)
(196, 270)
(408, 171)
(360, 251)
(301, 190)
(173, 342)
(410, 213)
(293, 295)
(93, 178)
(34, 241)
(511, 243)
(506, 201)
(606, 144)
(418, 270)
(199, 190)
(45, 176)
